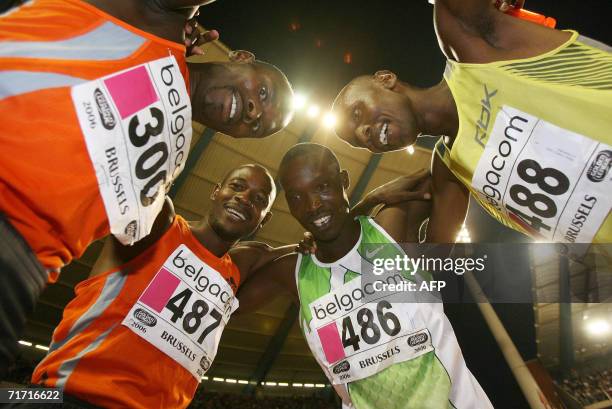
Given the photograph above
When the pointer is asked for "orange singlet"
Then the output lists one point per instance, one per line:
(142, 335)
(49, 189)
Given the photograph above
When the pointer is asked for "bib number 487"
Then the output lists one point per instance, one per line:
(368, 328)
(550, 180)
(192, 320)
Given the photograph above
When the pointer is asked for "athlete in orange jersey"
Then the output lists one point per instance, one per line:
(144, 328)
(96, 123)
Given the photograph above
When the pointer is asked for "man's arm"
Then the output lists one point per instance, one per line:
(450, 202)
(273, 279)
(250, 256)
(115, 254)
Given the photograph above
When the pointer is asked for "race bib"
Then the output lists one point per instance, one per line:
(354, 340)
(552, 182)
(137, 128)
(184, 310)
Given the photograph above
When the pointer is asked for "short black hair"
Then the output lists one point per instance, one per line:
(317, 152)
(255, 166)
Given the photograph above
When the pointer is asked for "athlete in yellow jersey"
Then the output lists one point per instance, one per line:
(525, 111)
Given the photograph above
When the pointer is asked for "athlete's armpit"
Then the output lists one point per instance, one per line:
(450, 203)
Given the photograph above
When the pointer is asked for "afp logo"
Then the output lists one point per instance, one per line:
(418, 339)
(145, 317)
(104, 110)
(600, 166)
(341, 367)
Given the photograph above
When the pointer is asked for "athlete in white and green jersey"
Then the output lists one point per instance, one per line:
(390, 355)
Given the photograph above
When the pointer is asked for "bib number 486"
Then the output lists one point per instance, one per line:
(369, 329)
(550, 180)
(193, 319)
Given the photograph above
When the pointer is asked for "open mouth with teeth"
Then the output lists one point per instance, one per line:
(383, 136)
(236, 214)
(234, 106)
(322, 221)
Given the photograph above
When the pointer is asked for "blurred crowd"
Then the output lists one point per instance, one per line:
(587, 389)
(212, 400)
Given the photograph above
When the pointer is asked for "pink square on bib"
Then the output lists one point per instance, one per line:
(330, 340)
(159, 291)
(132, 91)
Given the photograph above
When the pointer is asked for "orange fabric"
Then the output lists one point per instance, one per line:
(48, 188)
(125, 370)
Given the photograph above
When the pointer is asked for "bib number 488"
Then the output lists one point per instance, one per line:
(550, 180)
(369, 329)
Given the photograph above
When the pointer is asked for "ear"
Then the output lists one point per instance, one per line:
(241, 56)
(265, 220)
(386, 78)
(215, 192)
(344, 178)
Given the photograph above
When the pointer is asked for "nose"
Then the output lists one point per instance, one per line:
(364, 133)
(244, 198)
(253, 111)
(314, 202)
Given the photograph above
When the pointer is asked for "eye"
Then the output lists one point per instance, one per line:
(262, 200)
(323, 186)
(263, 93)
(236, 186)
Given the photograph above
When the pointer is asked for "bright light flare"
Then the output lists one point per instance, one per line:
(313, 111)
(299, 100)
(44, 348)
(464, 235)
(598, 327)
(329, 120)
(410, 150)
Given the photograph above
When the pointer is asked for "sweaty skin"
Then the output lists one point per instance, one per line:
(248, 189)
(316, 189)
(382, 114)
(262, 93)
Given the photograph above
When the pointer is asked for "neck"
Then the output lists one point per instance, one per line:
(330, 251)
(435, 109)
(209, 238)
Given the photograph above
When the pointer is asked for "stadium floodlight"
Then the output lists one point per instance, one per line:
(243, 382)
(299, 100)
(44, 348)
(598, 327)
(230, 380)
(270, 383)
(297, 385)
(283, 384)
(309, 385)
(320, 385)
(313, 111)
(329, 120)
(410, 149)
(26, 343)
(218, 379)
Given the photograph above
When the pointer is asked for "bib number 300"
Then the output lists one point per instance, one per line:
(146, 168)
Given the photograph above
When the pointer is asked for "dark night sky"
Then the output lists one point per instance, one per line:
(395, 35)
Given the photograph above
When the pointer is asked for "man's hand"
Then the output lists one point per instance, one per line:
(404, 188)
(307, 245)
(508, 5)
(195, 36)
